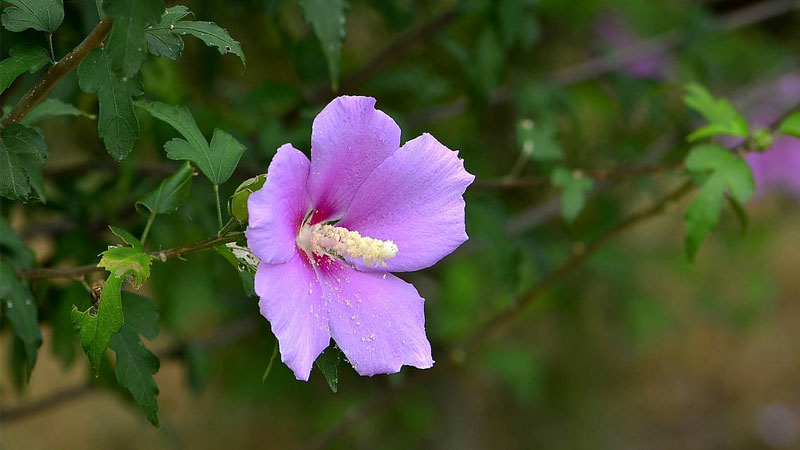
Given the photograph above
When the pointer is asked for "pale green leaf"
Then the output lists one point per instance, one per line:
(328, 19)
(722, 117)
(574, 189)
(22, 58)
(791, 125)
(237, 206)
(117, 124)
(41, 15)
(537, 140)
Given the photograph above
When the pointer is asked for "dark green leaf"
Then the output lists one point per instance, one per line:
(791, 125)
(165, 38)
(722, 117)
(22, 153)
(575, 187)
(22, 58)
(53, 107)
(20, 309)
(135, 363)
(126, 43)
(41, 15)
(117, 124)
(216, 161)
(724, 172)
(169, 194)
(328, 364)
(14, 251)
(198, 367)
(328, 19)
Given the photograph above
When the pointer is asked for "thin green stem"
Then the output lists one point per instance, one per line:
(50, 43)
(518, 165)
(228, 227)
(219, 207)
(147, 227)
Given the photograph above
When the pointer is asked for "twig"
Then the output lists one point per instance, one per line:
(159, 255)
(57, 71)
(597, 175)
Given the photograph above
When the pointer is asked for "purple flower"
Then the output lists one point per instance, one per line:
(328, 232)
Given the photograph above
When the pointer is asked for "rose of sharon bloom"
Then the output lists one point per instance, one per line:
(329, 231)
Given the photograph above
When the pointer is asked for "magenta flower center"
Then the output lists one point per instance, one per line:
(324, 240)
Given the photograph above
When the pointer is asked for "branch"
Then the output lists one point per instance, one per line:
(57, 71)
(596, 175)
(159, 255)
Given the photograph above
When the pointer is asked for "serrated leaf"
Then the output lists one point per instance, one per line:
(722, 117)
(537, 140)
(136, 365)
(22, 153)
(725, 173)
(328, 19)
(791, 125)
(117, 124)
(165, 38)
(127, 238)
(95, 330)
(20, 309)
(126, 44)
(41, 15)
(216, 161)
(169, 194)
(22, 58)
(53, 107)
(574, 189)
(328, 363)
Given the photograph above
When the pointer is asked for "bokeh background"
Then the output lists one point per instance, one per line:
(635, 348)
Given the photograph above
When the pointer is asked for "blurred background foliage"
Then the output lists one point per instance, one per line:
(637, 348)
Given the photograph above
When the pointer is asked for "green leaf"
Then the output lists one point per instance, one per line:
(245, 263)
(216, 161)
(791, 125)
(127, 237)
(41, 15)
(22, 153)
(328, 364)
(53, 107)
(328, 19)
(20, 309)
(164, 39)
(722, 117)
(96, 325)
(169, 194)
(237, 206)
(117, 124)
(724, 172)
(22, 58)
(575, 187)
(537, 141)
(126, 46)
(14, 251)
(136, 365)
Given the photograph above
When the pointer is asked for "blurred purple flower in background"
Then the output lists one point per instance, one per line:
(329, 231)
(778, 168)
(615, 33)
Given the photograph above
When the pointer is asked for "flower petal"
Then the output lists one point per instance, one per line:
(291, 299)
(415, 199)
(349, 139)
(376, 319)
(277, 209)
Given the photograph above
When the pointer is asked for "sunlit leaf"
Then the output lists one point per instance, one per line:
(791, 125)
(722, 117)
